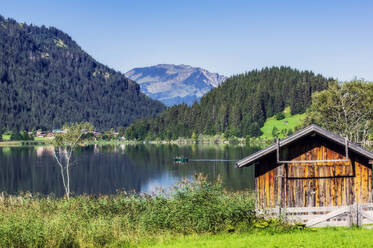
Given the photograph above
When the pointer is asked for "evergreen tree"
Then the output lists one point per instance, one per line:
(280, 116)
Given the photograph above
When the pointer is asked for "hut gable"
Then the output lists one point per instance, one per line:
(313, 167)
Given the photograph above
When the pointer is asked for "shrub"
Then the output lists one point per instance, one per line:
(15, 136)
(275, 132)
(198, 207)
(280, 116)
(22, 135)
(289, 132)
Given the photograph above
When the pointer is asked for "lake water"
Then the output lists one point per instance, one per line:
(107, 169)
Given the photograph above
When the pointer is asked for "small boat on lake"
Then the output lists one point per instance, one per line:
(181, 159)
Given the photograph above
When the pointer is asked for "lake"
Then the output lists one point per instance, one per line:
(107, 169)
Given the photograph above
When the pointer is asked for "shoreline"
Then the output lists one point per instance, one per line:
(205, 140)
(21, 143)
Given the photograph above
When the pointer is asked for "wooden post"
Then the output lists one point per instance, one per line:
(256, 194)
(346, 148)
(359, 215)
(278, 150)
(278, 211)
(353, 214)
(279, 190)
(356, 217)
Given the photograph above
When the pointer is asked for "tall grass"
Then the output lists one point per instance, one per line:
(123, 220)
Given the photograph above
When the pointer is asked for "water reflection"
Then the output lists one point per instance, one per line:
(40, 150)
(106, 169)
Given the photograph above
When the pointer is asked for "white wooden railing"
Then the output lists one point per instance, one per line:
(357, 214)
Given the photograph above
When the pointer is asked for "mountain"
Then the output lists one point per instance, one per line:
(239, 106)
(175, 84)
(46, 80)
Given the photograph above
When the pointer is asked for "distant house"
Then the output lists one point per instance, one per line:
(97, 134)
(40, 134)
(311, 168)
(58, 131)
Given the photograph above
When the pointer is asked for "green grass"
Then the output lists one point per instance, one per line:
(46, 139)
(6, 137)
(10, 143)
(322, 237)
(292, 122)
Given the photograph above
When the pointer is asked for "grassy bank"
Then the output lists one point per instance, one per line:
(19, 143)
(322, 237)
(10, 143)
(124, 220)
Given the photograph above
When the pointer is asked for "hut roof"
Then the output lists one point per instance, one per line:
(301, 133)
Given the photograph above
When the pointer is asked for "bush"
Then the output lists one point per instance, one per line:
(15, 136)
(275, 132)
(280, 116)
(22, 135)
(289, 132)
(199, 207)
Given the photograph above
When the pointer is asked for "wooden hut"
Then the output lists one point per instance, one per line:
(311, 168)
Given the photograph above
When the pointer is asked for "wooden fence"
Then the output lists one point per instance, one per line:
(357, 214)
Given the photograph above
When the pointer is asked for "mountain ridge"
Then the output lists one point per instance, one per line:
(175, 84)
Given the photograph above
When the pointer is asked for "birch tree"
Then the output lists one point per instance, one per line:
(345, 108)
(64, 145)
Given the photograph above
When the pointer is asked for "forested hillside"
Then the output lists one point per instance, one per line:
(46, 79)
(238, 106)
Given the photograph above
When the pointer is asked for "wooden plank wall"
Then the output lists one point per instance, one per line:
(312, 184)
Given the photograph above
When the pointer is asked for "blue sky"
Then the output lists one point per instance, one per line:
(334, 38)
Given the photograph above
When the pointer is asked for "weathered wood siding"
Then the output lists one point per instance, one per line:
(312, 184)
